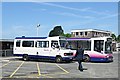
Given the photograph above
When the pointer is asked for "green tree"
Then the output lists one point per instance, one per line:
(57, 31)
(68, 35)
(118, 38)
(113, 37)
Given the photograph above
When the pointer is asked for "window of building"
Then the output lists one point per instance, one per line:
(96, 33)
(28, 44)
(18, 43)
(76, 33)
(85, 33)
(81, 33)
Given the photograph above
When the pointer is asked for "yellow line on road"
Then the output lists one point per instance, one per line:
(62, 68)
(16, 70)
(39, 74)
(5, 64)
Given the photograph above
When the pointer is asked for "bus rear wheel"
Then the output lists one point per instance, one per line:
(58, 59)
(86, 58)
(25, 57)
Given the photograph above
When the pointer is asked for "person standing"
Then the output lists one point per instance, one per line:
(79, 57)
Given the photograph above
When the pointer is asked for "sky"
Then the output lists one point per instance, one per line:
(22, 18)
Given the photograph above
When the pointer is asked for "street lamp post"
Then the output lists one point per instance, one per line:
(37, 29)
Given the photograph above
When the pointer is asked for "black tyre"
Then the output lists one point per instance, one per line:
(25, 57)
(58, 59)
(86, 58)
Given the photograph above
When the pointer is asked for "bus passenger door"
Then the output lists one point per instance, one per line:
(54, 49)
(43, 50)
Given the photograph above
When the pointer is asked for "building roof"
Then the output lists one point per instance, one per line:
(96, 30)
(6, 40)
(23, 37)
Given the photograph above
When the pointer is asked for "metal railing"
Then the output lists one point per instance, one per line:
(6, 53)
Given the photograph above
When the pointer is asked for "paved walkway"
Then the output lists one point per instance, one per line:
(8, 58)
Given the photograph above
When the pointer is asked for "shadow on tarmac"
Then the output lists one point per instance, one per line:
(51, 61)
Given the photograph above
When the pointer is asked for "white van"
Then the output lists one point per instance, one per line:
(52, 48)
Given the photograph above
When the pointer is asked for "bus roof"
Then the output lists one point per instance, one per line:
(23, 37)
(95, 38)
(54, 37)
(75, 39)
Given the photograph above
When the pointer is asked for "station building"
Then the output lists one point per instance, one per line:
(89, 33)
(6, 47)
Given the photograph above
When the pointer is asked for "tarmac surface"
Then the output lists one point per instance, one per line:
(15, 67)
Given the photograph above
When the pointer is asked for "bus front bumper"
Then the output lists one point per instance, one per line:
(67, 58)
(110, 59)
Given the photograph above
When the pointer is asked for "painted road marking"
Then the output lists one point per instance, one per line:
(62, 68)
(16, 70)
(39, 74)
(38, 69)
(5, 64)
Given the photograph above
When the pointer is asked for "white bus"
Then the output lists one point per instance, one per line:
(96, 49)
(52, 48)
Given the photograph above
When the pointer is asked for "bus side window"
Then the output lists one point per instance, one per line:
(18, 43)
(28, 44)
(42, 44)
(98, 45)
(54, 44)
(45, 44)
(39, 44)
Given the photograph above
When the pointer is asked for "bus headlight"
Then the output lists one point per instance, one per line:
(68, 54)
(65, 54)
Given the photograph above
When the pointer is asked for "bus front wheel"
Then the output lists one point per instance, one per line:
(25, 57)
(58, 59)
